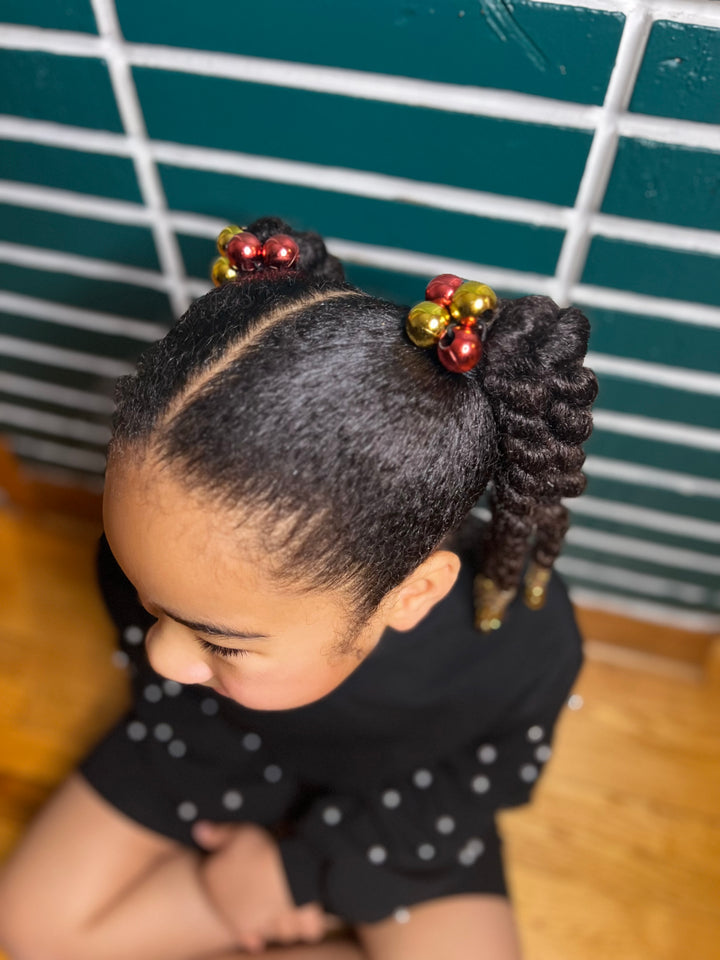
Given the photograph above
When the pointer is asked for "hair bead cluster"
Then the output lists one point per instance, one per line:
(449, 298)
(241, 252)
(371, 458)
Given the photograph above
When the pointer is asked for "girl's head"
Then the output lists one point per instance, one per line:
(286, 460)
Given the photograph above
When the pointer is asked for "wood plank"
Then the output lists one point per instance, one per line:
(686, 645)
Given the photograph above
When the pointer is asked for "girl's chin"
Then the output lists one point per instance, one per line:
(262, 699)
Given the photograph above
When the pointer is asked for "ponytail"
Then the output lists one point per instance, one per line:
(540, 395)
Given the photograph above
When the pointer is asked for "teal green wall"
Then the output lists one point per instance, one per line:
(414, 136)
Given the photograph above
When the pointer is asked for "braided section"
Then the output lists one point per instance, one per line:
(541, 397)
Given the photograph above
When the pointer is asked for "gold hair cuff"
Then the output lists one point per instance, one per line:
(490, 604)
(536, 581)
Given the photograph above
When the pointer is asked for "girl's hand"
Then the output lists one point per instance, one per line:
(245, 880)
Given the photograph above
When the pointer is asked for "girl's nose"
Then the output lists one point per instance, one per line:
(173, 653)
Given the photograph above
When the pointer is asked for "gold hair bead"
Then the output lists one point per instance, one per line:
(223, 270)
(426, 323)
(536, 581)
(472, 299)
(225, 236)
(490, 604)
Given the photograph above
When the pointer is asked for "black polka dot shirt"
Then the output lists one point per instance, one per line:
(382, 794)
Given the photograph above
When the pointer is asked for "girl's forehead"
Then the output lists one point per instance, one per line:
(184, 553)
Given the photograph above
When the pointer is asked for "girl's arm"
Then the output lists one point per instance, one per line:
(87, 882)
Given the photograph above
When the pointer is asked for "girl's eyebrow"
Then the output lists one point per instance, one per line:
(214, 629)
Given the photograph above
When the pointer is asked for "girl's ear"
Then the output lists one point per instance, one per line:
(409, 602)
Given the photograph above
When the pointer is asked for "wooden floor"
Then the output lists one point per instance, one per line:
(618, 858)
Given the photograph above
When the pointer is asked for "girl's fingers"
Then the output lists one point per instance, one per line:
(253, 944)
(287, 929)
(311, 923)
(212, 836)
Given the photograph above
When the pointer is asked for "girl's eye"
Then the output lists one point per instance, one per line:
(217, 651)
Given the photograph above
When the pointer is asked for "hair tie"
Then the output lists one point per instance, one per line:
(242, 252)
(455, 317)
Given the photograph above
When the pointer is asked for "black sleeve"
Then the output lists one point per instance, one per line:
(429, 832)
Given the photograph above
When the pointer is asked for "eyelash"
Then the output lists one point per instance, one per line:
(217, 651)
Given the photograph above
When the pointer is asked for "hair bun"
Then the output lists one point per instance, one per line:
(314, 259)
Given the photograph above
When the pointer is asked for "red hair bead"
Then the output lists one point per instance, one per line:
(460, 347)
(244, 250)
(442, 288)
(280, 250)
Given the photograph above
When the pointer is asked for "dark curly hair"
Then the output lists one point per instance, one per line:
(300, 397)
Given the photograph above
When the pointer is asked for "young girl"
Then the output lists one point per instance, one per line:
(335, 689)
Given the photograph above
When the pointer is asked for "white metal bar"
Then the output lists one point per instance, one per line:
(342, 180)
(362, 183)
(640, 475)
(58, 453)
(79, 266)
(60, 357)
(54, 424)
(33, 389)
(701, 12)
(354, 183)
(650, 552)
(148, 178)
(74, 204)
(49, 134)
(677, 132)
(625, 301)
(602, 152)
(427, 265)
(648, 233)
(620, 577)
(71, 316)
(629, 513)
(677, 378)
(363, 84)
(666, 431)
(694, 621)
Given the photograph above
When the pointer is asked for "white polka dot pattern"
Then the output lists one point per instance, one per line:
(535, 733)
(422, 778)
(172, 688)
(163, 732)
(272, 773)
(529, 772)
(152, 693)
(487, 753)
(543, 753)
(391, 799)
(426, 851)
(133, 635)
(377, 854)
(136, 730)
(120, 659)
(251, 741)
(480, 784)
(209, 706)
(445, 824)
(402, 915)
(473, 849)
(187, 810)
(332, 816)
(232, 800)
(575, 702)
(177, 749)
